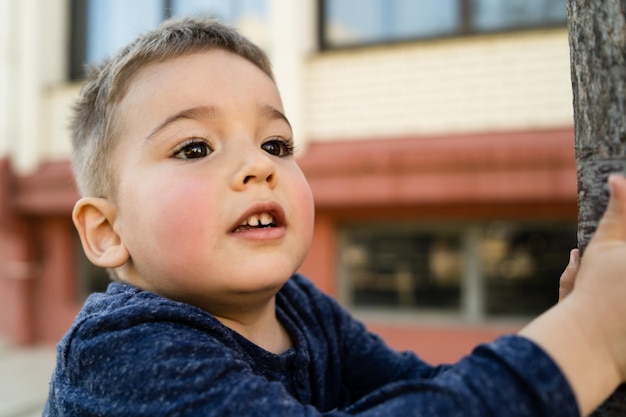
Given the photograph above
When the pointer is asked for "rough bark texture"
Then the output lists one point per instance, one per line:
(597, 36)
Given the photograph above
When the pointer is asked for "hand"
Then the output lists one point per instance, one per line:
(568, 277)
(602, 275)
(585, 333)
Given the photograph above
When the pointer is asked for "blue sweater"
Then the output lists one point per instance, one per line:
(133, 353)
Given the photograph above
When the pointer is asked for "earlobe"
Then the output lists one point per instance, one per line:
(94, 219)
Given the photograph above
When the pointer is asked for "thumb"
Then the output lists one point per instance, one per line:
(612, 225)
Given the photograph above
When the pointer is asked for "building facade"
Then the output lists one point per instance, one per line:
(437, 138)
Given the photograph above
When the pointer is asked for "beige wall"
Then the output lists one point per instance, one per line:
(482, 83)
(7, 75)
(33, 58)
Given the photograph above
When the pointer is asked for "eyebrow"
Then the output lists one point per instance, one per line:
(207, 112)
(273, 114)
(193, 113)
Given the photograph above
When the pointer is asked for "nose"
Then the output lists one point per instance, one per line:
(256, 167)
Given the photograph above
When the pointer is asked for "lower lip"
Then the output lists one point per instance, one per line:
(268, 233)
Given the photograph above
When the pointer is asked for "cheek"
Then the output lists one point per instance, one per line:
(186, 214)
(174, 219)
(303, 201)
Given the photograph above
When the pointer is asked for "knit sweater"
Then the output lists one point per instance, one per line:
(133, 353)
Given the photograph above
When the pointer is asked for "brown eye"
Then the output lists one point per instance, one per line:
(277, 147)
(193, 150)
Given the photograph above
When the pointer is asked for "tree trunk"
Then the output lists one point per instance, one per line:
(597, 36)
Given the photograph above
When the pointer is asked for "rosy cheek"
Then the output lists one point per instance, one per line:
(184, 217)
(303, 198)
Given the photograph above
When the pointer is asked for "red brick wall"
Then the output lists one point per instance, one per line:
(517, 175)
(36, 253)
(512, 174)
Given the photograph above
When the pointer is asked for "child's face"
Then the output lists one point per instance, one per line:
(204, 157)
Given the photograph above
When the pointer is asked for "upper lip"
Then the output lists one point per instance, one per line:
(270, 207)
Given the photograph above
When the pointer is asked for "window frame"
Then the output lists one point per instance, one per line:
(77, 39)
(465, 29)
(78, 16)
(474, 284)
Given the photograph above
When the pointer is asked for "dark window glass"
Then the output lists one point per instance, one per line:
(430, 268)
(400, 269)
(101, 27)
(504, 14)
(357, 22)
(522, 264)
(351, 22)
(111, 24)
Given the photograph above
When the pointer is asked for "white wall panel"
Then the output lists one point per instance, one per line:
(485, 83)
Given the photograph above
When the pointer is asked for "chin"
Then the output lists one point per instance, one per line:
(259, 281)
(273, 282)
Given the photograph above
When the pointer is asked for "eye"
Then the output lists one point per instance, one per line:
(192, 149)
(278, 147)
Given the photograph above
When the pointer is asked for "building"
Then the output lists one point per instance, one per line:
(437, 138)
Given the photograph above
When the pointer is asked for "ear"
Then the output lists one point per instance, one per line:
(94, 219)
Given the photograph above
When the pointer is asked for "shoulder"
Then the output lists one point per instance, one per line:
(300, 288)
(312, 309)
(125, 307)
(133, 350)
(118, 325)
(300, 296)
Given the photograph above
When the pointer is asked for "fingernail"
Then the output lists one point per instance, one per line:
(573, 257)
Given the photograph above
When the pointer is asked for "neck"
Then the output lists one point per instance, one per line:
(260, 326)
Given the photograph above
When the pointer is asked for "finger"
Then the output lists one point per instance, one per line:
(568, 277)
(612, 225)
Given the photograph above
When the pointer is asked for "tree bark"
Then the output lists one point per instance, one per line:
(597, 37)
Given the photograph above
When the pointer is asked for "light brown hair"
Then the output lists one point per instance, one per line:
(94, 124)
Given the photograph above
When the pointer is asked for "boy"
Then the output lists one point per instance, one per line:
(193, 201)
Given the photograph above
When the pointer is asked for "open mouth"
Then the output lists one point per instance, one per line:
(256, 221)
(263, 215)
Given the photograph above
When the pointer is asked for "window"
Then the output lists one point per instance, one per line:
(474, 271)
(357, 22)
(101, 27)
(488, 15)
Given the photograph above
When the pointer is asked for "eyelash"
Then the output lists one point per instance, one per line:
(187, 146)
(285, 148)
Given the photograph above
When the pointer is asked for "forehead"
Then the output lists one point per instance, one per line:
(214, 77)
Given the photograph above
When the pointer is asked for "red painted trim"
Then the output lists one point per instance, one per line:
(56, 294)
(505, 175)
(17, 269)
(37, 253)
(438, 344)
(49, 190)
(499, 167)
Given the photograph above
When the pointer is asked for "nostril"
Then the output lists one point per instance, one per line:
(249, 178)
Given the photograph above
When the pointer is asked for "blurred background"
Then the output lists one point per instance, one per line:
(437, 137)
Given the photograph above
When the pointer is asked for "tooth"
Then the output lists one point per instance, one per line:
(253, 220)
(266, 219)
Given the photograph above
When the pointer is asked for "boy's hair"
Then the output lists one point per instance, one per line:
(94, 127)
